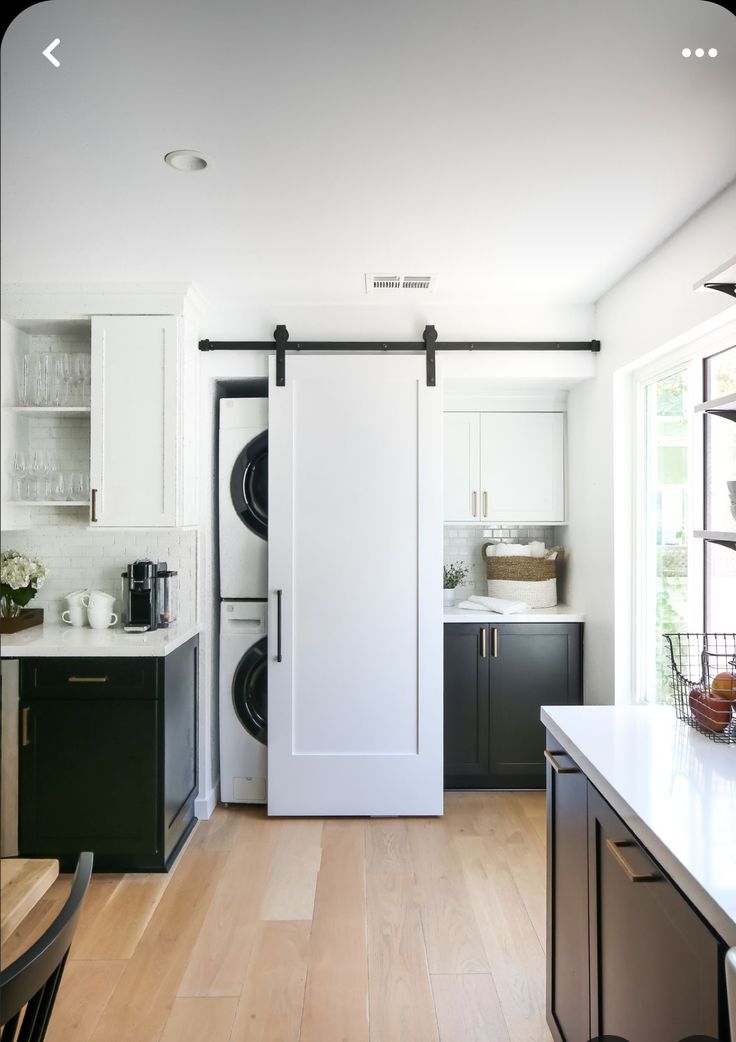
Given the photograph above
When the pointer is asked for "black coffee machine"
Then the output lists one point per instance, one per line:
(149, 596)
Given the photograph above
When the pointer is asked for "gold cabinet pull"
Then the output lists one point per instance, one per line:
(484, 642)
(87, 680)
(615, 846)
(475, 504)
(24, 739)
(485, 504)
(93, 510)
(494, 643)
(557, 767)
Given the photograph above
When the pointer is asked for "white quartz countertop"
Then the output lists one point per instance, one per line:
(54, 640)
(674, 788)
(560, 613)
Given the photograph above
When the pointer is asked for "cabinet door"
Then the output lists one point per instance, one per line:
(466, 706)
(522, 463)
(568, 979)
(531, 665)
(179, 741)
(88, 777)
(462, 466)
(133, 425)
(654, 963)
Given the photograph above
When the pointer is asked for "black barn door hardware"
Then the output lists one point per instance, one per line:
(429, 345)
(724, 287)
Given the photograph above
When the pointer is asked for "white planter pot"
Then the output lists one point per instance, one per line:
(448, 598)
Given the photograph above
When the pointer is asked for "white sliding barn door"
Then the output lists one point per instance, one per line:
(355, 546)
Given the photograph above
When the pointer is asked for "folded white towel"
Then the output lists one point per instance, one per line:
(512, 550)
(495, 604)
(537, 549)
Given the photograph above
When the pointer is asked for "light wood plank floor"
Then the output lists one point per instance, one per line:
(347, 930)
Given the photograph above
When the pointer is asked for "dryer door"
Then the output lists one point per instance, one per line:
(249, 485)
(250, 690)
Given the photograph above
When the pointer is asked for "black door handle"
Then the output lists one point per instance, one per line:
(279, 594)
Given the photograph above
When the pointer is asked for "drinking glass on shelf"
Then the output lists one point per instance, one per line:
(68, 363)
(85, 371)
(20, 470)
(58, 487)
(57, 388)
(22, 364)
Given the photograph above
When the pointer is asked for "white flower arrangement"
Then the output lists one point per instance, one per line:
(20, 580)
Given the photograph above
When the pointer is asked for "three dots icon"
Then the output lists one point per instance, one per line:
(699, 52)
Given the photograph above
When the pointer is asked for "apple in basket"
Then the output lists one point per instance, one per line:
(710, 713)
(724, 686)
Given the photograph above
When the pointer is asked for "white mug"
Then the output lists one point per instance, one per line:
(77, 616)
(78, 599)
(101, 600)
(101, 618)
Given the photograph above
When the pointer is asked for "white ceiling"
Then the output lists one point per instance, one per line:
(512, 147)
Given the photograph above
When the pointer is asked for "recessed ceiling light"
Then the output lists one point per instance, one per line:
(185, 159)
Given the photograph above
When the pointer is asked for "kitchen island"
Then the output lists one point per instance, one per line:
(641, 874)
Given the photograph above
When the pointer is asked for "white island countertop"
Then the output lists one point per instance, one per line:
(55, 640)
(560, 613)
(673, 787)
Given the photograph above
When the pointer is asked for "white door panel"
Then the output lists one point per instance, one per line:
(523, 466)
(355, 544)
(461, 466)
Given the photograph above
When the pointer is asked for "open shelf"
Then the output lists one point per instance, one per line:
(724, 538)
(49, 502)
(725, 406)
(50, 410)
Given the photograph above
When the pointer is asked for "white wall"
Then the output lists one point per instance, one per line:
(652, 310)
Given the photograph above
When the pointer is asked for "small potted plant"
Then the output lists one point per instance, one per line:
(20, 580)
(453, 575)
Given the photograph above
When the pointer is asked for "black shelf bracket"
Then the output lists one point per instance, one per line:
(429, 336)
(281, 335)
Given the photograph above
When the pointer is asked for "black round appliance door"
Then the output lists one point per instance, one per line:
(250, 690)
(249, 485)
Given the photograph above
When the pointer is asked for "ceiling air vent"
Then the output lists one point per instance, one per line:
(394, 283)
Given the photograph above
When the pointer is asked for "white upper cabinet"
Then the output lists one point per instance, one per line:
(142, 400)
(462, 466)
(505, 467)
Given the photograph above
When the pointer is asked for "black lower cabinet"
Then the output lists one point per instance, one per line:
(108, 758)
(496, 678)
(655, 965)
(568, 973)
(627, 954)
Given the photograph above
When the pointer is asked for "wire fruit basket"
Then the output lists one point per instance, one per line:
(704, 682)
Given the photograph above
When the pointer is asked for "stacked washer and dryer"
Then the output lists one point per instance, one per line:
(243, 523)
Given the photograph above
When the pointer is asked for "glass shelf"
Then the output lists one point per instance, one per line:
(49, 502)
(712, 536)
(50, 410)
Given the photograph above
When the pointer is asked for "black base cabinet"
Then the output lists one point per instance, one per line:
(496, 678)
(108, 758)
(627, 954)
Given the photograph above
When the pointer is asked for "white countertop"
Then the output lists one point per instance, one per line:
(560, 613)
(54, 640)
(675, 789)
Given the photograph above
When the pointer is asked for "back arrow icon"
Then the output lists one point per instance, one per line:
(47, 53)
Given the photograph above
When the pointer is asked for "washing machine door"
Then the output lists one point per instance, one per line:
(249, 485)
(250, 690)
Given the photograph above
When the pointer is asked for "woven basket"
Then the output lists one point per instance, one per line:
(530, 579)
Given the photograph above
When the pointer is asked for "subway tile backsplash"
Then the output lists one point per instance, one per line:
(463, 543)
(78, 557)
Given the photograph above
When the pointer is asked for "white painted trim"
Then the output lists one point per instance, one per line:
(688, 351)
(205, 805)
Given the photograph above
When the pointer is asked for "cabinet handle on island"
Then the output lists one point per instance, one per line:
(484, 642)
(93, 509)
(557, 767)
(494, 643)
(24, 739)
(615, 845)
(87, 680)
